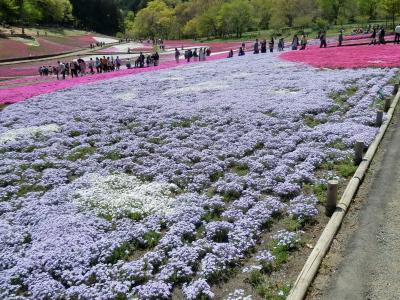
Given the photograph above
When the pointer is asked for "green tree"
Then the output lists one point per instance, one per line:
(154, 21)
(368, 8)
(191, 28)
(235, 17)
(8, 10)
(391, 8)
(331, 9)
(261, 12)
(208, 24)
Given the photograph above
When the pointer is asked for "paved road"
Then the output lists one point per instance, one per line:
(370, 268)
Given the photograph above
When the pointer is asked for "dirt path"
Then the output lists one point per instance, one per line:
(364, 260)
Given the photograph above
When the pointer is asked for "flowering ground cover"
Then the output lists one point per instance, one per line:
(16, 94)
(11, 49)
(160, 184)
(16, 49)
(348, 57)
(47, 45)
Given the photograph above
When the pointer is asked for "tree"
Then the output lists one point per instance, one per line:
(8, 10)
(99, 15)
(191, 28)
(208, 24)
(332, 9)
(55, 11)
(261, 12)
(368, 8)
(391, 7)
(154, 21)
(235, 17)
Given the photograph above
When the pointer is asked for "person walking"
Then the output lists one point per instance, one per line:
(189, 55)
(303, 42)
(373, 37)
(91, 66)
(98, 65)
(60, 70)
(118, 63)
(382, 36)
(322, 39)
(264, 46)
(141, 60)
(72, 68)
(340, 38)
(82, 66)
(256, 47)
(66, 69)
(295, 42)
(195, 55)
(271, 45)
(281, 44)
(156, 59)
(148, 60)
(397, 34)
(177, 54)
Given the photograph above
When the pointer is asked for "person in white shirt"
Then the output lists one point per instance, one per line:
(60, 70)
(397, 36)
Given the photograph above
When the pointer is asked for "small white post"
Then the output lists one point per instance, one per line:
(379, 118)
(332, 195)
(358, 152)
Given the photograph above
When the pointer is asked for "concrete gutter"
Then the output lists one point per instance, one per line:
(310, 269)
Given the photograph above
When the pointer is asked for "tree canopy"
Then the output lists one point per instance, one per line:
(36, 11)
(195, 18)
(218, 18)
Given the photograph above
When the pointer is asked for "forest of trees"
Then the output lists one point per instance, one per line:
(194, 18)
(220, 18)
(105, 16)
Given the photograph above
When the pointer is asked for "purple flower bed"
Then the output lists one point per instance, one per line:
(132, 186)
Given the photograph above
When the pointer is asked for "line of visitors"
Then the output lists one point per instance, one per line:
(302, 42)
(378, 33)
(79, 67)
(197, 56)
(149, 60)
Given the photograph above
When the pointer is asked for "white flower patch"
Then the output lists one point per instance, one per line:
(105, 40)
(284, 91)
(20, 133)
(164, 79)
(202, 87)
(120, 194)
(128, 96)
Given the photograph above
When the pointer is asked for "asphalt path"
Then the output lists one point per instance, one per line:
(370, 263)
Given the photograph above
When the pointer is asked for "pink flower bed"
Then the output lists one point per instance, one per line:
(347, 57)
(23, 69)
(12, 49)
(24, 80)
(17, 94)
(357, 37)
(85, 39)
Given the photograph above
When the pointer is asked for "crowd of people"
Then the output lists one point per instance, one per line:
(196, 55)
(80, 67)
(378, 32)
